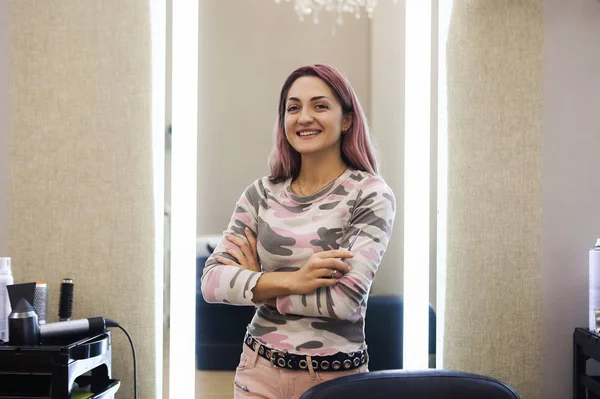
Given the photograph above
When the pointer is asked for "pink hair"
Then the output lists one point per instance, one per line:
(357, 149)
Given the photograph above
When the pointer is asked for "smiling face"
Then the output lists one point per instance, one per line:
(314, 120)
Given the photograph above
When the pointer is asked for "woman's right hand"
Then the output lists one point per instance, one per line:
(322, 269)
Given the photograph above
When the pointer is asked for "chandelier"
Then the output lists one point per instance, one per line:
(306, 8)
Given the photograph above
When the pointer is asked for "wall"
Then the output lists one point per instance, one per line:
(493, 305)
(571, 221)
(387, 38)
(4, 84)
(80, 165)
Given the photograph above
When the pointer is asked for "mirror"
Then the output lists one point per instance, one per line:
(246, 50)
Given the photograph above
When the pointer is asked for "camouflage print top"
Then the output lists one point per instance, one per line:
(289, 229)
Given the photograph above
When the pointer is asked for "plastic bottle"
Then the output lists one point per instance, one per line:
(6, 278)
(594, 298)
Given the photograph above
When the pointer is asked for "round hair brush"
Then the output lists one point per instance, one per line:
(65, 303)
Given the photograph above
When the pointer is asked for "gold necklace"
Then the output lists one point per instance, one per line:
(319, 189)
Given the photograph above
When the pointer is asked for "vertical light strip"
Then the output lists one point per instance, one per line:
(182, 368)
(158, 20)
(417, 183)
(445, 11)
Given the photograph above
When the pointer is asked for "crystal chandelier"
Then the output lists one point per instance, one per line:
(305, 8)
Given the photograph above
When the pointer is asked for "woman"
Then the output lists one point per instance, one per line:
(286, 250)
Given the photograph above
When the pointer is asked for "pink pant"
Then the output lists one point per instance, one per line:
(256, 377)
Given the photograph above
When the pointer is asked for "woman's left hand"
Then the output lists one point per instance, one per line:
(247, 256)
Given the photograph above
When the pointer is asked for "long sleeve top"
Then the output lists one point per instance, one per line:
(289, 229)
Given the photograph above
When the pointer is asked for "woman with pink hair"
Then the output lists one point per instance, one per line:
(304, 243)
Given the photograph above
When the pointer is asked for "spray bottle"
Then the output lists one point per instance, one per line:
(6, 278)
(594, 295)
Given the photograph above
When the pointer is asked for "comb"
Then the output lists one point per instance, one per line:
(354, 240)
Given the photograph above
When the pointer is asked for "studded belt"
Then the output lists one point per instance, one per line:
(337, 362)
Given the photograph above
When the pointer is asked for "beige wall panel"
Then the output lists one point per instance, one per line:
(4, 84)
(493, 299)
(80, 168)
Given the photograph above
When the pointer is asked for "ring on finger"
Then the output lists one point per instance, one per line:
(333, 273)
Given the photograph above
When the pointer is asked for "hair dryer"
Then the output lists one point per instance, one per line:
(24, 328)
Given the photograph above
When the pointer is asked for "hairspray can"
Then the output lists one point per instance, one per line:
(594, 304)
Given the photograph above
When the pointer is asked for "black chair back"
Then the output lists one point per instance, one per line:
(404, 384)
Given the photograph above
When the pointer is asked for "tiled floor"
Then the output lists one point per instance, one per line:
(214, 384)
